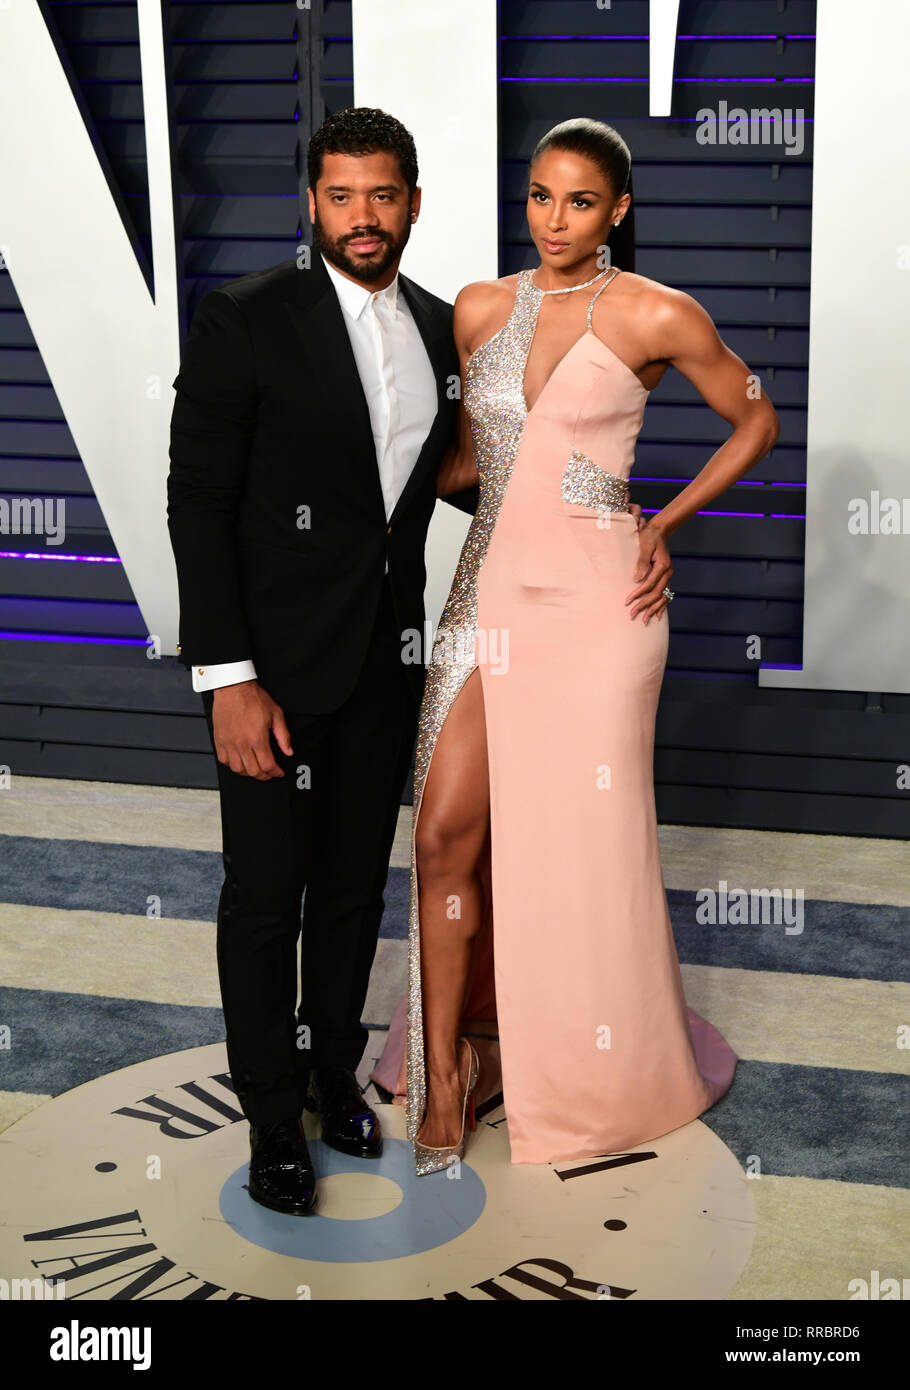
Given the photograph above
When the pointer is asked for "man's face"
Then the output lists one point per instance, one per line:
(362, 214)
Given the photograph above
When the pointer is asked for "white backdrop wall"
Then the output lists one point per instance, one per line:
(434, 67)
(856, 619)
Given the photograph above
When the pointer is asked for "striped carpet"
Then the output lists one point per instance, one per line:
(107, 957)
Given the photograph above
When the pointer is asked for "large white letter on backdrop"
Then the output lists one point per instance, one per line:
(434, 67)
(110, 350)
(856, 622)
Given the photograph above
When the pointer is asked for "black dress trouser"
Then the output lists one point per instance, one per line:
(323, 834)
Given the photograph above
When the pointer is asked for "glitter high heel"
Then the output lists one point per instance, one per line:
(431, 1160)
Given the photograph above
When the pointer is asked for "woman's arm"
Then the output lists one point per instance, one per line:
(685, 336)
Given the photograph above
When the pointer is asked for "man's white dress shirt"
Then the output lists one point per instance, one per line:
(400, 389)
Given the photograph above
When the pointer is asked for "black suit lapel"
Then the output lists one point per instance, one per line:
(318, 320)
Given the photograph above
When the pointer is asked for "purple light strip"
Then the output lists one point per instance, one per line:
(643, 478)
(643, 81)
(69, 637)
(609, 38)
(790, 516)
(41, 555)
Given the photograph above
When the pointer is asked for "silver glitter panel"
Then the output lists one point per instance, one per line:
(495, 404)
(585, 483)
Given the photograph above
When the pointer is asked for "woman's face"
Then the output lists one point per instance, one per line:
(570, 209)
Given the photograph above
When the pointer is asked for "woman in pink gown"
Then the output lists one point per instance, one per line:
(538, 916)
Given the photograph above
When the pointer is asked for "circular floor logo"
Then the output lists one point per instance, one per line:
(134, 1186)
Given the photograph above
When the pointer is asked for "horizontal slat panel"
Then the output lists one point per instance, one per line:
(22, 365)
(807, 813)
(106, 728)
(38, 438)
(692, 182)
(724, 615)
(202, 101)
(781, 726)
(733, 578)
(697, 226)
(77, 543)
(766, 772)
(66, 615)
(621, 103)
(528, 111)
(99, 764)
(14, 329)
(632, 17)
(695, 652)
(603, 55)
(95, 22)
(48, 578)
(53, 477)
(269, 59)
(740, 537)
(655, 459)
(94, 677)
(682, 266)
(698, 421)
(80, 513)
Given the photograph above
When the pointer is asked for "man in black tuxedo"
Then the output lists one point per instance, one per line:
(313, 410)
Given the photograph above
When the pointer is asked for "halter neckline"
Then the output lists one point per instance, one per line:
(569, 289)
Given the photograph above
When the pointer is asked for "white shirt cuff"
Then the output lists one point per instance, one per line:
(225, 673)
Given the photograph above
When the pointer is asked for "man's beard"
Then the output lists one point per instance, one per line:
(362, 268)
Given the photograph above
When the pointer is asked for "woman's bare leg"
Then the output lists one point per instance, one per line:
(451, 830)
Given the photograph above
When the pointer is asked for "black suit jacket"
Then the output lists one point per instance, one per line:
(275, 507)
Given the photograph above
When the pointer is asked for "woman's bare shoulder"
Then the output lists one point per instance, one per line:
(655, 298)
(667, 317)
(481, 303)
(488, 291)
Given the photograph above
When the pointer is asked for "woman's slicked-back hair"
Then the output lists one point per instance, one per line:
(605, 147)
(362, 130)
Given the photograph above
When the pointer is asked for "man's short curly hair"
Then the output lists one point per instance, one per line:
(362, 130)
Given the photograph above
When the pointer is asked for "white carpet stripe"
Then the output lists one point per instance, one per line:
(15, 1104)
(814, 1235)
(828, 867)
(811, 1020)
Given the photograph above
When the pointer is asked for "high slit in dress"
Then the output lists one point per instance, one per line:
(574, 996)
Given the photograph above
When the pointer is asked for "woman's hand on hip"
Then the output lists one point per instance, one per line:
(652, 573)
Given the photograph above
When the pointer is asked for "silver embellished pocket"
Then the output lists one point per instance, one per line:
(586, 485)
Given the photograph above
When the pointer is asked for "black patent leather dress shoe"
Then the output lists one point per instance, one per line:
(282, 1175)
(348, 1123)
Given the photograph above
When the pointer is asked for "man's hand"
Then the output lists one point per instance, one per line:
(243, 716)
